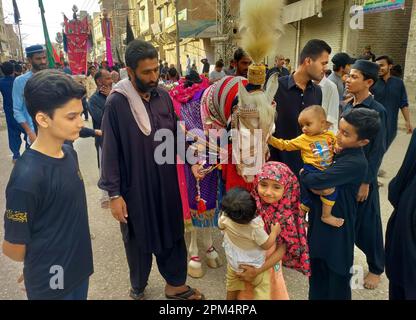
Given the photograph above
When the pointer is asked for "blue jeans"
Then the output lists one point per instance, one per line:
(80, 293)
(14, 131)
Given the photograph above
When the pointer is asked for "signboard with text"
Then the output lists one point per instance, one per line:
(373, 6)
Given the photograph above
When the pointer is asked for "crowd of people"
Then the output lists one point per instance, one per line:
(307, 206)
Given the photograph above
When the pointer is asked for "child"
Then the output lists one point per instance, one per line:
(276, 191)
(369, 232)
(317, 146)
(332, 253)
(245, 242)
(46, 219)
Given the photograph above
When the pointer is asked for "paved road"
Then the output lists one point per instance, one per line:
(111, 281)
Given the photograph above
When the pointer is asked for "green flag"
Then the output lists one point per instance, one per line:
(49, 48)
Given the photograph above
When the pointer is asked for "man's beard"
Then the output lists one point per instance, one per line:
(144, 87)
(39, 67)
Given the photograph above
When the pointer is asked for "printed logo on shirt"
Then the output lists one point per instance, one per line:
(16, 216)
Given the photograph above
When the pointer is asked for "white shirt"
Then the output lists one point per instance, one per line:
(330, 102)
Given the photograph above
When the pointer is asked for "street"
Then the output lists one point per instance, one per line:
(111, 278)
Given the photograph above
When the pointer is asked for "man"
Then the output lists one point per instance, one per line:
(18, 70)
(90, 83)
(14, 130)
(400, 234)
(206, 67)
(144, 195)
(297, 92)
(96, 107)
(67, 69)
(37, 58)
(330, 102)
(230, 71)
(342, 67)
(188, 65)
(165, 69)
(368, 228)
(218, 73)
(288, 65)
(242, 62)
(368, 55)
(391, 93)
(279, 68)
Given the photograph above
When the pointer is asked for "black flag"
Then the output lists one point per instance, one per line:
(129, 32)
(16, 12)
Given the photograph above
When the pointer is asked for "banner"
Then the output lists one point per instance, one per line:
(48, 44)
(373, 6)
(77, 34)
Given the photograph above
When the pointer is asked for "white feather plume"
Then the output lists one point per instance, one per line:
(261, 27)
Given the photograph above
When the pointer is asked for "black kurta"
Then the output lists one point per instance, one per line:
(369, 228)
(291, 101)
(336, 245)
(401, 229)
(151, 191)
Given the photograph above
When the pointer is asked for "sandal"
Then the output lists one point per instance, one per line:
(186, 295)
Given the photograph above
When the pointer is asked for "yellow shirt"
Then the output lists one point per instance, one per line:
(317, 151)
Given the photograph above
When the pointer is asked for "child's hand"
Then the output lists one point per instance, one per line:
(276, 228)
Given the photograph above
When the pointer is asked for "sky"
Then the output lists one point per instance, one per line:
(31, 24)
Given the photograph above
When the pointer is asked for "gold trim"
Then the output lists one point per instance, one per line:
(16, 216)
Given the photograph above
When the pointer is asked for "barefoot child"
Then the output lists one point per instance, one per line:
(245, 242)
(332, 253)
(317, 146)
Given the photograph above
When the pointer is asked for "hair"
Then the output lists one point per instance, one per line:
(287, 60)
(49, 90)
(366, 122)
(397, 71)
(368, 77)
(173, 73)
(98, 75)
(239, 54)
(139, 50)
(387, 58)
(7, 68)
(239, 206)
(314, 49)
(319, 110)
(18, 68)
(219, 64)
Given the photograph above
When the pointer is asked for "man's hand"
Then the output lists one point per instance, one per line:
(32, 136)
(409, 127)
(119, 210)
(105, 91)
(196, 171)
(363, 193)
(98, 133)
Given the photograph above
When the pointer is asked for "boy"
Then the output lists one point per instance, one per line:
(46, 219)
(332, 252)
(317, 146)
(369, 230)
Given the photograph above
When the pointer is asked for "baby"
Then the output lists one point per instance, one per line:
(245, 242)
(317, 146)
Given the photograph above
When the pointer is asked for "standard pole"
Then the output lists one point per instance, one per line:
(21, 43)
(178, 52)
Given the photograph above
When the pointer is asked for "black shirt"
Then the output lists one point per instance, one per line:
(291, 101)
(283, 72)
(336, 245)
(46, 210)
(376, 149)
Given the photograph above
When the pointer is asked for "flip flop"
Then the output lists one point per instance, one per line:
(186, 295)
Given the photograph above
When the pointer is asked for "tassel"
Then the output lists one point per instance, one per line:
(202, 204)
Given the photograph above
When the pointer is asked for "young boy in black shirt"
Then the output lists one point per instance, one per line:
(332, 249)
(46, 219)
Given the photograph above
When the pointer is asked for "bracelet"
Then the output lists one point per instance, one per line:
(115, 198)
